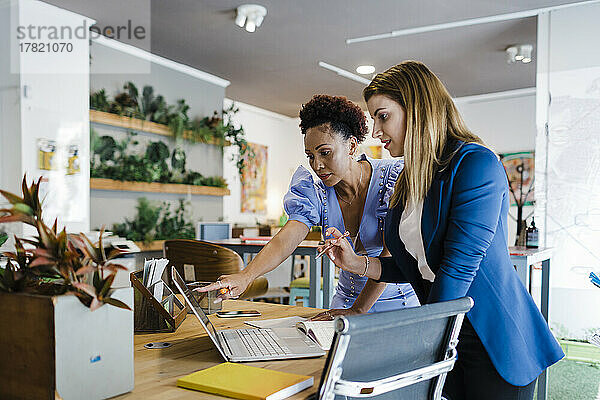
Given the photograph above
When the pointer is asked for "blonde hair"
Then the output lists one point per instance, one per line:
(431, 120)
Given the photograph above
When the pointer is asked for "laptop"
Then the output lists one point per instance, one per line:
(237, 345)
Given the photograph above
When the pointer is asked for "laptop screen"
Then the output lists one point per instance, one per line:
(190, 299)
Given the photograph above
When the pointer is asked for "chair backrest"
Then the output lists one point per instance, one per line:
(400, 354)
(209, 261)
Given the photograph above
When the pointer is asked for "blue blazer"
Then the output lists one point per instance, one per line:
(464, 232)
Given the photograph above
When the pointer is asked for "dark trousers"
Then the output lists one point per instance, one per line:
(474, 377)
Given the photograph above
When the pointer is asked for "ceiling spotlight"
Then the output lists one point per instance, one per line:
(511, 54)
(526, 50)
(519, 52)
(250, 16)
(365, 69)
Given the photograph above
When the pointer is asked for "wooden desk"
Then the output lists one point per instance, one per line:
(306, 248)
(156, 371)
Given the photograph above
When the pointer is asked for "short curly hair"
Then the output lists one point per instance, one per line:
(344, 117)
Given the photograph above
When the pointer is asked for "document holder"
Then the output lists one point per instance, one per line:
(151, 315)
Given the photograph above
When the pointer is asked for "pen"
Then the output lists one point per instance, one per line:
(330, 245)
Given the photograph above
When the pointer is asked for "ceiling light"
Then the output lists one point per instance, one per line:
(511, 54)
(344, 73)
(526, 50)
(365, 69)
(250, 16)
(519, 52)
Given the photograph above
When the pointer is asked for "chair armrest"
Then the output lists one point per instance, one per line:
(257, 288)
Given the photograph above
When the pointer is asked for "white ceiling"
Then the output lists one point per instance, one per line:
(276, 68)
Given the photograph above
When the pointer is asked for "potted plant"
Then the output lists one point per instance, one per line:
(66, 332)
(151, 107)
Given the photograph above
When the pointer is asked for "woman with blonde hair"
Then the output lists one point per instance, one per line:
(447, 230)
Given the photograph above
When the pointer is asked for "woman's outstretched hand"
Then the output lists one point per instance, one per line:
(228, 286)
(341, 252)
(334, 312)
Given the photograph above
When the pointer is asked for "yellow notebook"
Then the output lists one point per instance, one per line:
(245, 382)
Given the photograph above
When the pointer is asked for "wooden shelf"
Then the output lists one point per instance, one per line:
(101, 117)
(155, 245)
(155, 187)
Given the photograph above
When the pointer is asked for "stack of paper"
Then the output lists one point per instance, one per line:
(152, 277)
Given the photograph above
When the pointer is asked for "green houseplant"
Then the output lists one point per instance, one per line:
(111, 159)
(151, 107)
(156, 222)
(54, 262)
(57, 304)
(238, 138)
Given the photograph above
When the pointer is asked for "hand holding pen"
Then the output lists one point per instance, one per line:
(330, 244)
(340, 251)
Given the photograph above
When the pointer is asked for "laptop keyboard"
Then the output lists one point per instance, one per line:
(262, 342)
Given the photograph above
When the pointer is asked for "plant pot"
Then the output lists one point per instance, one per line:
(55, 347)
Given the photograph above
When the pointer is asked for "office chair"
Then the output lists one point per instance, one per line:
(400, 354)
(209, 261)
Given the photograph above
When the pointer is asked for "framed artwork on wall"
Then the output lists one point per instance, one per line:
(520, 171)
(373, 151)
(254, 181)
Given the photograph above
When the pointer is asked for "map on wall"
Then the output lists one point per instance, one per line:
(254, 181)
(568, 200)
(520, 171)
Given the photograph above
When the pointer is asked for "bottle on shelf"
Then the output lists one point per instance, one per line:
(532, 235)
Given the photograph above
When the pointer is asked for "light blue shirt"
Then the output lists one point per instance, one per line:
(314, 203)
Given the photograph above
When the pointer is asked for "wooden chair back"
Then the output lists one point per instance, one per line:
(208, 261)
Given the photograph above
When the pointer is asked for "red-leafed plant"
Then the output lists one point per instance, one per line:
(54, 262)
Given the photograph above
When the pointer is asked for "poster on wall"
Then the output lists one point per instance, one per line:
(520, 170)
(254, 181)
(59, 167)
(373, 151)
(50, 157)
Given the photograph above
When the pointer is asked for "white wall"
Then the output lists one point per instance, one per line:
(506, 122)
(281, 134)
(45, 96)
(10, 107)
(568, 161)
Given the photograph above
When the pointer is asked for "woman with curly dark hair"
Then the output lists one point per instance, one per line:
(351, 194)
